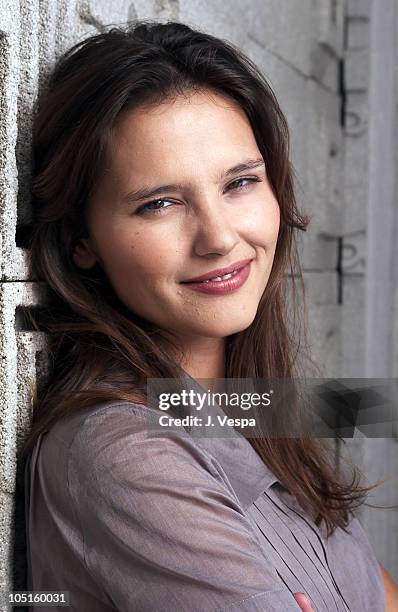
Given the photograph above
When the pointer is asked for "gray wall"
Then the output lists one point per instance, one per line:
(317, 55)
(370, 305)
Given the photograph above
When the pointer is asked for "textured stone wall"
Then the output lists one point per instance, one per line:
(320, 77)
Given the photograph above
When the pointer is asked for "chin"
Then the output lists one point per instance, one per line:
(226, 325)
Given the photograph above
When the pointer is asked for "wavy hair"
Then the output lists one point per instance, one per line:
(98, 349)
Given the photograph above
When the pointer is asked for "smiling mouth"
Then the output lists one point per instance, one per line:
(220, 274)
(219, 278)
(222, 285)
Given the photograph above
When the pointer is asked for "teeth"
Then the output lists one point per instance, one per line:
(221, 278)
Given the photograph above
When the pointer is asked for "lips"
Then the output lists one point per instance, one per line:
(219, 271)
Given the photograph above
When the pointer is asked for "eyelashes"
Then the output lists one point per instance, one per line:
(250, 179)
(146, 208)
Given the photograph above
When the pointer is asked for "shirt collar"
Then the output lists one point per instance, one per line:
(246, 471)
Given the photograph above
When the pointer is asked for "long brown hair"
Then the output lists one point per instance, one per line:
(100, 350)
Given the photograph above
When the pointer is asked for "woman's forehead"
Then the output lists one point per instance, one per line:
(197, 131)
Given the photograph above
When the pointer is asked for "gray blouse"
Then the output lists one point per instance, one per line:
(126, 517)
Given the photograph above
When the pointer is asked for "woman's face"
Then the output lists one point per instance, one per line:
(211, 217)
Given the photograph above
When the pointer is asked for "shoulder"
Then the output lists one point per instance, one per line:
(360, 537)
(117, 436)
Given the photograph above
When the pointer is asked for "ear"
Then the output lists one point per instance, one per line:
(83, 254)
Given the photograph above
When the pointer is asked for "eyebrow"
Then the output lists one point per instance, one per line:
(150, 192)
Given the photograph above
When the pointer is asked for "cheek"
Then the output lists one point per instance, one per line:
(262, 222)
(139, 254)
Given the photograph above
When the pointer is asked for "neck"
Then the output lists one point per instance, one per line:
(205, 358)
(199, 356)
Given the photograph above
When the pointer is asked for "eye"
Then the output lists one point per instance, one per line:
(236, 185)
(147, 206)
(156, 208)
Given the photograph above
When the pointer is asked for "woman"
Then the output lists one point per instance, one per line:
(161, 156)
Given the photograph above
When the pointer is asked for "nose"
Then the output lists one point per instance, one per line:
(216, 232)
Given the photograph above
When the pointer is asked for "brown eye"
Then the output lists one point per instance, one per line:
(146, 207)
(236, 185)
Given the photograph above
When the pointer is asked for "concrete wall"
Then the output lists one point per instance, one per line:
(316, 55)
(370, 248)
